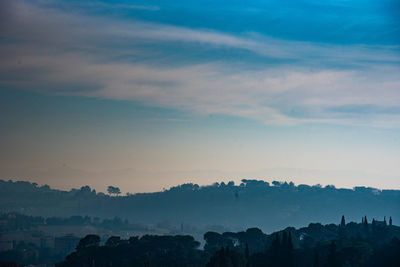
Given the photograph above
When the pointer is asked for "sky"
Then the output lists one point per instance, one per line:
(149, 94)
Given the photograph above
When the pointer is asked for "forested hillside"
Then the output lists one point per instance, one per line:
(363, 244)
(191, 208)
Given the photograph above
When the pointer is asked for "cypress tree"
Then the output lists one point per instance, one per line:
(275, 244)
(332, 260)
(275, 250)
(246, 251)
(290, 244)
(284, 240)
(343, 222)
(365, 224)
(390, 221)
(374, 222)
(289, 250)
(316, 259)
(283, 257)
(384, 220)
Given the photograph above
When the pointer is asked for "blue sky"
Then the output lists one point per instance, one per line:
(147, 94)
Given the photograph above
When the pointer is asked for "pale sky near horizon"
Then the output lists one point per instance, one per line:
(149, 94)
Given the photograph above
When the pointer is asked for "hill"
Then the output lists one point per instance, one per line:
(192, 208)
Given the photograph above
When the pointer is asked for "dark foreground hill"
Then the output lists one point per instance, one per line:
(363, 244)
(192, 209)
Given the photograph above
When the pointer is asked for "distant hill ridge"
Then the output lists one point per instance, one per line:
(221, 206)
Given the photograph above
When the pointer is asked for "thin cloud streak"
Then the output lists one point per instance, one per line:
(47, 26)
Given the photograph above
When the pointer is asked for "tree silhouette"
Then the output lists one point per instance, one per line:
(290, 244)
(390, 221)
(246, 251)
(284, 239)
(113, 190)
(316, 259)
(343, 222)
(378, 248)
(274, 251)
(332, 260)
(113, 241)
(88, 241)
(289, 251)
(227, 258)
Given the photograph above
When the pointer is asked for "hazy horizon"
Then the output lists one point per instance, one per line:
(67, 178)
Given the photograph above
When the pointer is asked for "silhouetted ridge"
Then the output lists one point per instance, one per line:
(190, 208)
(330, 245)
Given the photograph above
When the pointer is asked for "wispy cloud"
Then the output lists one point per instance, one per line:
(53, 51)
(123, 6)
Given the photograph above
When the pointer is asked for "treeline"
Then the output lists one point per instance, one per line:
(201, 208)
(353, 244)
(18, 222)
